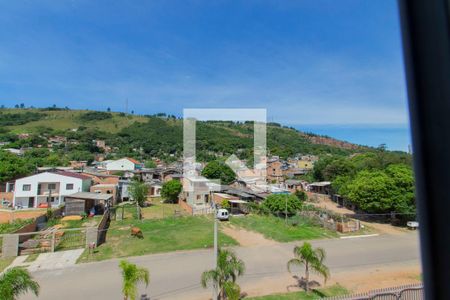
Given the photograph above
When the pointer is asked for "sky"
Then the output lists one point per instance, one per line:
(308, 62)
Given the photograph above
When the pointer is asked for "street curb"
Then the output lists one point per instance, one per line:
(359, 236)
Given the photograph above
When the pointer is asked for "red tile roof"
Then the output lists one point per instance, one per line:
(73, 174)
(133, 161)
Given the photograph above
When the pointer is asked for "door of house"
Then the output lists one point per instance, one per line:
(31, 202)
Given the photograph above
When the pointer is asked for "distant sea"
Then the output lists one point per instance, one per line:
(396, 137)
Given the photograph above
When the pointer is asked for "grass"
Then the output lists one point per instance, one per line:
(335, 290)
(63, 120)
(275, 228)
(164, 235)
(32, 257)
(85, 222)
(5, 262)
(17, 224)
(160, 210)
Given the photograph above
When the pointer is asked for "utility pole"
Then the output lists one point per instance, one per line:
(216, 250)
(285, 210)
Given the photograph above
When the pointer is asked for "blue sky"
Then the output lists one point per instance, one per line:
(307, 62)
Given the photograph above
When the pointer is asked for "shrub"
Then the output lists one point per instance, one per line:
(282, 203)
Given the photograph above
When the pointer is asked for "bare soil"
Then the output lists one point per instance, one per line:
(354, 281)
(378, 278)
(8, 216)
(324, 201)
(246, 238)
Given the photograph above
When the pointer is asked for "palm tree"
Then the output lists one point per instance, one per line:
(312, 259)
(132, 275)
(229, 267)
(17, 281)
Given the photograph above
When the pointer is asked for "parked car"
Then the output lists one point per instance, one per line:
(222, 214)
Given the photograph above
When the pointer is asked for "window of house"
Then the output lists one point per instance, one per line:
(69, 186)
(26, 187)
(52, 186)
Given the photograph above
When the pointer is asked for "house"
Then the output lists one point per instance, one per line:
(307, 162)
(85, 202)
(123, 164)
(218, 198)
(274, 170)
(323, 187)
(236, 205)
(78, 164)
(293, 172)
(159, 173)
(46, 187)
(7, 192)
(101, 144)
(105, 188)
(197, 192)
(155, 188)
(101, 178)
(56, 141)
(293, 185)
(124, 194)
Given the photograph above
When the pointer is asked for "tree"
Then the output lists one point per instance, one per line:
(17, 281)
(218, 170)
(108, 109)
(312, 259)
(301, 195)
(171, 189)
(132, 275)
(12, 166)
(150, 164)
(285, 203)
(229, 267)
(370, 190)
(138, 191)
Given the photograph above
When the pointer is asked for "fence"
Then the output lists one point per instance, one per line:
(405, 292)
(126, 211)
(322, 217)
(102, 227)
(202, 211)
(53, 239)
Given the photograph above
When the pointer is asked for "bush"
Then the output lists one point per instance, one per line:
(282, 203)
(301, 195)
(171, 190)
(225, 204)
(95, 116)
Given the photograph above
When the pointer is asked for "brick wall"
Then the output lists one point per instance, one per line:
(185, 206)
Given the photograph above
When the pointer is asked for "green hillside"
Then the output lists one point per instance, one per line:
(144, 138)
(68, 119)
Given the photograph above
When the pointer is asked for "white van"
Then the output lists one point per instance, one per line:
(222, 214)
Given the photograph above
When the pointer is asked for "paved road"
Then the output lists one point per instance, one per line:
(176, 275)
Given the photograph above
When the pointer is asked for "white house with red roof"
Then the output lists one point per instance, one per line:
(39, 189)
(123, 164)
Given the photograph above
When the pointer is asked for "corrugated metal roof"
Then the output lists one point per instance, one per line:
(90, 196)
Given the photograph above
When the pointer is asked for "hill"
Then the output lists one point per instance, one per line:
(64, 119)
(161, 136)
